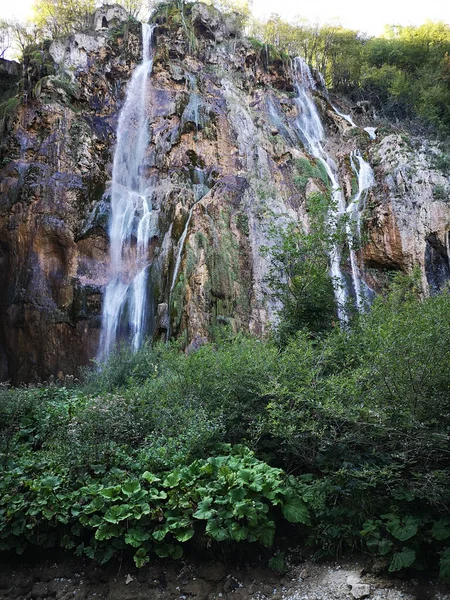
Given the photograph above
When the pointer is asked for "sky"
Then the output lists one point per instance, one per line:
(368, 16)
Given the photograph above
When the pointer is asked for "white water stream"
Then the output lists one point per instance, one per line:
(311, 131)
(364, 172)
(132, 223)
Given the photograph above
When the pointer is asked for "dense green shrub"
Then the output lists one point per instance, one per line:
(135, 458)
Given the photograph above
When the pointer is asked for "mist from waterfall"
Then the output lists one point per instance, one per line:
(132, 222)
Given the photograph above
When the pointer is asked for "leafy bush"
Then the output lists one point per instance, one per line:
(226, 497)
(138, 459)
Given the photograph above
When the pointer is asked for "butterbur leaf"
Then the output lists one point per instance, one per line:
(384, 547)
(51, 482)
(295, 511)
(403, 529)
(139, 534)
(164, 550)
(106, 531)
(238, 532)
(150, 477)
(141, 558)
(183, 535)
(160, 534)
(94, 506)
(266, 534)
(216, 531)
(176, 552)
(402, 559)
(117, 513)
(131, 487)
(111, 493)
(237, 494)
(204, 510)
(441, 529)
(172, 479)
(277, 563)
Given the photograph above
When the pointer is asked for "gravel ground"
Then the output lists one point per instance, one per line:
(79, 580)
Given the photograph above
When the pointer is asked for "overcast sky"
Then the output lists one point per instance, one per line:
(362, 15)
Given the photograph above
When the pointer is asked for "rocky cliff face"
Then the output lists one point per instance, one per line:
(223, 165)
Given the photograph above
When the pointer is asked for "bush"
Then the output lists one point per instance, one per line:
(139, 458)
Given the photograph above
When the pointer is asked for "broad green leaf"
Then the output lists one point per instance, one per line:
(141, 558)
(403, 529)
(266, 534)
(237, 494)
(131, 487)
(172, 479)
(176, 552)
(117, 513)
(238, 532)
(51, 482)
(160, 534)
(94, 506)
(215, 530)
(107, 531)
(384, 547)
(183, 535)
(402, 559)
(295, 511)
(150, 477)
(204, 510)
(164, 550)
(111, 493)
(441, 529)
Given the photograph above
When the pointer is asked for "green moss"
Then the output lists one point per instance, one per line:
(242, 223)
(310, 170)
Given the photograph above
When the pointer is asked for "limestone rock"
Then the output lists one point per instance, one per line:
(223, 169)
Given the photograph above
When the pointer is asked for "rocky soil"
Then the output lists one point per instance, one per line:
(182, 580)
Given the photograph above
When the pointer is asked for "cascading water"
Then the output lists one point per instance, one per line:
(309, 126)
(365, 180)
(200, 190)
(132, 223)
(348, 118)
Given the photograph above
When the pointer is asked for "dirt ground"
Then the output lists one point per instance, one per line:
(189, 580)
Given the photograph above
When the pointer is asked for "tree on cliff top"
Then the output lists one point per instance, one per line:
(62, 17)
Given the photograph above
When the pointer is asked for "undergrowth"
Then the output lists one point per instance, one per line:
(341, 434)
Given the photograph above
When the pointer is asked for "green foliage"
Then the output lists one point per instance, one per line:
(299, 273)
(405, 73)
(161, 449)
(228, 497)
(57, 17)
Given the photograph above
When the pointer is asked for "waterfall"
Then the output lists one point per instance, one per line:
(370, 130)
(348, 118)
(200, 190)
(132, 222)
(311, 132)
(365, 176)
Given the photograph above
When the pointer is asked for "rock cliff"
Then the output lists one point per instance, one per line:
(224, 163)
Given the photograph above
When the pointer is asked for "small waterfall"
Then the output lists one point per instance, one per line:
(348, 118)
(132, 223)
(370, 130)
(194, 101)
(312, 134)
(200, 190)
(364, 172)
